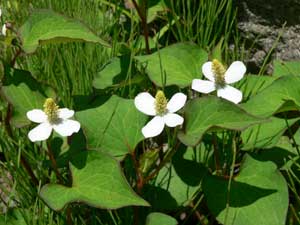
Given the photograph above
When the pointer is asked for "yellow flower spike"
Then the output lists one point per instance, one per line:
(219, 72)
(51, 110)
(160, 103)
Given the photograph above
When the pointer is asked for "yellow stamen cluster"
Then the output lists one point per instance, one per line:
(160, 103)
(219, 71)
(51, 110)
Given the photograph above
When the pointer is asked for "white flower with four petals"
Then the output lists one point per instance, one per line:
(162, 110)
(219, 78)
(52, 118)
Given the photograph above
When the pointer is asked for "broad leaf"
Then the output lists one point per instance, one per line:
(24, 93)
(45, 26)
(157, 218)
(258, 195)
(177, 183)
(286, 68)
(265, 135)
(114, 127)
(204, 113)
(282, 95)
(176, 64)
(97, 180)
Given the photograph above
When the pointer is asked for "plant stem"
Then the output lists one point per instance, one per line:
(53, 161)
(216, 152)
(142, 12)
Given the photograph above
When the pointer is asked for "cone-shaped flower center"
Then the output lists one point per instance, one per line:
(219, 71)
(51, 110)
(160, 103)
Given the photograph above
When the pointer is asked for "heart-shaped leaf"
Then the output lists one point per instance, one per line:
(24, 93)
(114, 127)
(157, 218)
(209, 112)
(274, 98)
(45, 26)
(257, 191)
(97, 181)
(176, 64)
(286, 68)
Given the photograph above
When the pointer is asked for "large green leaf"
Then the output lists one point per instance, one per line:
(258, 195)
(282, 68)
(204, 113)
(265, 135)
(178, 182)
(157, 218)
(45, 26)
(281, 95)
(176, 64)
(113, 127)
(24, 93)
(97, 181)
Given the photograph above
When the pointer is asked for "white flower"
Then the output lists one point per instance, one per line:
(161, 109)
(0, 12)
(3, 30)
(51, 118)
(219, 78)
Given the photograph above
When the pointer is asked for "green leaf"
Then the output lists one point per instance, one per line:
(12, 217)
(45, 26)
(281, 95)
(156, 218)
(177, 183)
(113, 127)
(176, 64)
(113, 73)
(258, 195)
(265, 135)
(97, 180)
(204, 113)
(282, 68)
(24, 93)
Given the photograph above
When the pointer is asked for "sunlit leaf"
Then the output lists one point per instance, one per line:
(282, 68)
(97, 180)
(157, 218)
(258, 195)
(45, 26)
(113, 127)
(176, 64)
(210, 112)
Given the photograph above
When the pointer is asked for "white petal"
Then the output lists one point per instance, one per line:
(207, 71)
(203, 86)
(40, 133)
(4, 30)
(176, 102)
(145, 103)
(154, 127)
(0, 12)
(173, 120)
(36, 115)
(67, 127)
(235, 72)
(65, 113)
(231, 94)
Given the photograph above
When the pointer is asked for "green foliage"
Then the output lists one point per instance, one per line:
(97, 180)
(45, 26)
(258, 195)
(160, 218)
(209, 113)
(177, 64)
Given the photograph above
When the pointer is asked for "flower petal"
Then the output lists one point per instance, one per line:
(40, 132)
(173, 120)
(176, 102)
(3, 31)
(235, 72)
(231, 94)
(154, 127)
(65, 113)
(145, 103)
(67, 127)
(207, 71)
(203, 86)
(37, 116)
